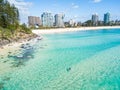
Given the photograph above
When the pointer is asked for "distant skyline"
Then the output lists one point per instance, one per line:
(80, 10)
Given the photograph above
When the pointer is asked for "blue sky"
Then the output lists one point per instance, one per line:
(79, 10)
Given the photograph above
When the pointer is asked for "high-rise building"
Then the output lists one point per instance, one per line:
(33, 20)
(106, 18)
(95, 19)
(71, 22)
(59, 20)
(47, 19)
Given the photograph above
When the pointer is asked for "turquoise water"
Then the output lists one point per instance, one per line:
(84, 60)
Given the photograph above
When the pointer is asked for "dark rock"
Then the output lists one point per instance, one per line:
(6, 79)
(6, 41)
(1, 86)
(18, 63)
(68, 69)
(5, 61)
(9, 52)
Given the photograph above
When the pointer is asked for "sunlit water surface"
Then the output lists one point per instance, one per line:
(85, 60)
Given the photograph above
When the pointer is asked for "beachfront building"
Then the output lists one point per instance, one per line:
(95, 19)
(47, 19)
(59, 20)
(73, 23)
(106, 18)
(66, 24)
(117, 22)
(34, 21)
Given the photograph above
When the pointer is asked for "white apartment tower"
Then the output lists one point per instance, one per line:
(59, 20)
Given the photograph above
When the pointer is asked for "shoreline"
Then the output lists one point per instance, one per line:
(7, 47)
(11, 49)
(15, 46)
(60, 30)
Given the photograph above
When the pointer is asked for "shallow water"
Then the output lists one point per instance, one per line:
(85, 60)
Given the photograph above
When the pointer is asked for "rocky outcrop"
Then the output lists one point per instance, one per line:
(19, 37)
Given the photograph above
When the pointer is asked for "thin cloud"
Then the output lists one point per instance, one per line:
(22, 6)
(97, 1)
(75, 6)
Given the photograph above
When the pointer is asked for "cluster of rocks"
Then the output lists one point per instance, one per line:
(4, 42)
(18, 38)
(25, 55)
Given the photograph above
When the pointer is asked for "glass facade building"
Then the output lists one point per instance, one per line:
(106, 18)
(59, 20)
(47, 19)
(95, 19)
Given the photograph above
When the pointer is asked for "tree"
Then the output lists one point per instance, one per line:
(9, 20)
(25, 29)
(89, 23)
(9, 16)
(1, 1)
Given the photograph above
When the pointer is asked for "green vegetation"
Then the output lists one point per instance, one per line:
(9, 21)
(24, 29)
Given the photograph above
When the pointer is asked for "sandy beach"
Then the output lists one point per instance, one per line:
(11, 49)
(60, 30)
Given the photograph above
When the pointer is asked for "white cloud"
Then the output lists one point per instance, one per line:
(97, 1)
(76, 16)
(23, 7)
(75, 6)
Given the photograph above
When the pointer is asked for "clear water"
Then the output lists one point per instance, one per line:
(85, 60)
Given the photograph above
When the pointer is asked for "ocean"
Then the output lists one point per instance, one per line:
(81, 60)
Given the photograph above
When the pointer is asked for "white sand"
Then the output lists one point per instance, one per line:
(59, 30)
(12, 47)
(5, 67)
